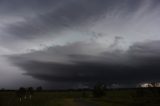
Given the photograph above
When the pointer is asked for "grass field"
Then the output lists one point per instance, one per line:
(76, 98)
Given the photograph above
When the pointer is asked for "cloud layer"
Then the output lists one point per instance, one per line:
(67, 64)
(80, 41)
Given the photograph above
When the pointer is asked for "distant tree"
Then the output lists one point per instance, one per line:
(99, 90)
(39, 89)
(21, 93)
(3, 89)
(30, 92)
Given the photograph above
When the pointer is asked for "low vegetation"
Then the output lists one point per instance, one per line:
(95, 97)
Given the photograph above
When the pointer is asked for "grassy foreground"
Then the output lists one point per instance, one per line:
(76, 98)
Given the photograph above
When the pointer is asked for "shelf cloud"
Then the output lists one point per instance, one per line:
(75, 42)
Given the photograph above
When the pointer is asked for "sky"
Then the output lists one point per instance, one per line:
(61, 44)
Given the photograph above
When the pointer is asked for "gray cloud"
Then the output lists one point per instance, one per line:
(139, 64)
(65, 15)
(80, 41)
(27, 24)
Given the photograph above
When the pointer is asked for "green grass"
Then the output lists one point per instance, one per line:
(112, 98)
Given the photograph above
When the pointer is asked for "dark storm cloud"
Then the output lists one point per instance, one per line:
(23, 7)
(92, 72)
(80, 41)
(139, 64)
(58, 15)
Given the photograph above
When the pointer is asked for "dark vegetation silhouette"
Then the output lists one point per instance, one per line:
(99, 90)
(30, 92)
(2, 89)
(39, 89)
(21, 93)
(24, 93)
(99, 93)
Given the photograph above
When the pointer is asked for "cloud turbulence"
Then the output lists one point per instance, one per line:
(67, 44)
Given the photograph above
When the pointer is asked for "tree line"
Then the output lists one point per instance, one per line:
(26, 93)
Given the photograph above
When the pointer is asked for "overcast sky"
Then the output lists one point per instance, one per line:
(76, 43)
